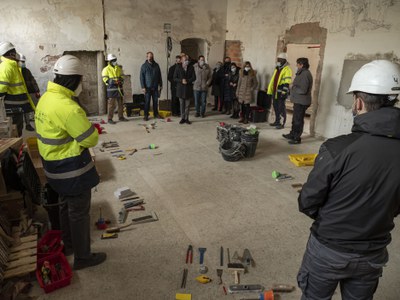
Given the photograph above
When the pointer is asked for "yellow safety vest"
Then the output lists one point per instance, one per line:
(285, 78)
(64, 136)
(12, 83)
(115, 74)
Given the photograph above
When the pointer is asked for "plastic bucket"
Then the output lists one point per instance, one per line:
(232, 151)
(250, 142)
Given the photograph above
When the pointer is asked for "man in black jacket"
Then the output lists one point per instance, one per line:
(184, 77)
(353, 193)
(174, 99)
(151, 82)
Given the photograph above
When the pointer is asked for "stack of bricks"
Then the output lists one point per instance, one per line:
(233, 49)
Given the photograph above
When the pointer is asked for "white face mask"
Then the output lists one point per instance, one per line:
(201, 63)
(233, 70)
(247, 69)
(278, 64)
(114, 63)
(186, 62)
(78, 90)
(22, 64)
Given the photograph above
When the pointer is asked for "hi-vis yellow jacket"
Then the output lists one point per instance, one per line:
(284, 80)
(64, 136)
(113, 78)
(12, 84)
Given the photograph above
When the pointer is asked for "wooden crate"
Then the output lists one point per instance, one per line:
(11, 205)
(22, 258)
(14, 143)
(5, 128)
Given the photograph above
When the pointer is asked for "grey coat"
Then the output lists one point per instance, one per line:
(300, 93)
(203, 77)
(246, 86)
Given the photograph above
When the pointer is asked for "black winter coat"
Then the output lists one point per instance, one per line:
(353, 192)
(184, 91)
(215, 84)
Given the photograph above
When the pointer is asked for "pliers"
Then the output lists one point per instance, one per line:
(189, 254)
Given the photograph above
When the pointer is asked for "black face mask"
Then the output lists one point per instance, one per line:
(227, 63)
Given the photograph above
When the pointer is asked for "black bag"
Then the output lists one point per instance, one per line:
(9, 167)
(264, 100)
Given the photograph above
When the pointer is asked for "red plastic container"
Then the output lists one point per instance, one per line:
(59, 278)
(49, 244)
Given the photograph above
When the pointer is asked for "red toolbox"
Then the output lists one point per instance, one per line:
(50, 243)
(58, 272)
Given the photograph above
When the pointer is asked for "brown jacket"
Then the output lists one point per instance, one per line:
(246, 86)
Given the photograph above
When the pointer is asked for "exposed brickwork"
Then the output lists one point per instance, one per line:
(233, 49)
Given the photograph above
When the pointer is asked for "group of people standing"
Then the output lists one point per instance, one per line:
(232, 88)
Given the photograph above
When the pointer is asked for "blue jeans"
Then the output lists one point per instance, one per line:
(200, 101)
(151, 93)
(324, 268)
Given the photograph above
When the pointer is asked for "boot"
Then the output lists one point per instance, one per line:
(229, 112)
(241, 120)
(94, 260)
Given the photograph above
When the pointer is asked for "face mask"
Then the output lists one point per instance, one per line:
(227, 62)
(278, 64)
(233, 70)
(151, 59)
(201, 63)
(186, 62)
(22, 65)
(78, 89)
(296, 70)
(247, 69)
(218, 67)
(114, 63)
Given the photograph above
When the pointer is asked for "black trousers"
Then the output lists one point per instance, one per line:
(245, 110)
(280, 110)
(75, 223)
(299, 112)
(175, 104)
(323, 269)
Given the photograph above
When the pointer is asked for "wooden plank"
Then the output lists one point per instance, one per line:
(22, 253)
(14, 143)
(21, 271)
(21, 262)
(24, 246)
(28, 238)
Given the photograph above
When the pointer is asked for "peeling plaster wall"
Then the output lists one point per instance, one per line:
(43, 30)
(369, 28)
(136, 27)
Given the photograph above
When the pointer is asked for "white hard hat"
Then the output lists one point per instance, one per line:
(111, 57)
(68, 65)
(282, 55)
(20, 57)
(5, 47)
(380, 77)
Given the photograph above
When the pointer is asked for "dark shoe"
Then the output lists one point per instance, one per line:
(158, 117)
(280, 126)
(214, 109)
(223, 112)
(146, 118)
(203, 115)
(111, 122)
(228, 112)
(241, 120)
(182, 121)
(294, 142)
(123, 119)
(245, 121)
(94, 260)
(274, 124)
(197, 115)
(288, 136)
(29, 127)
(188, 122)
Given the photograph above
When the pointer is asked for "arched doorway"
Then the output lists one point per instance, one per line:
(194, 47)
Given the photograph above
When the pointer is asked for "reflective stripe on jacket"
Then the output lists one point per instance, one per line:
(12, 84)
(113, 78)
(64, 136)
(285, 78)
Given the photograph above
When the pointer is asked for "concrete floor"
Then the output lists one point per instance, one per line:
(204, 201)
